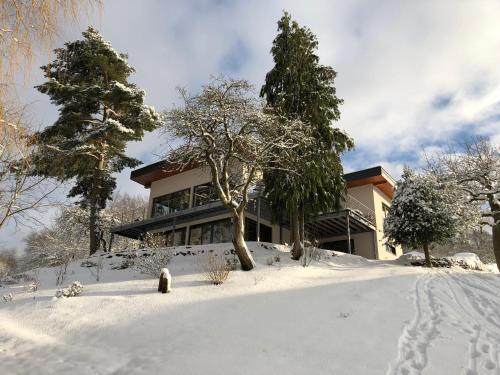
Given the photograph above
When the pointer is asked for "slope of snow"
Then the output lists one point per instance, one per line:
(341, 315)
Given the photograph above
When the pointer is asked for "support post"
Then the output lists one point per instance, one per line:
(173, 232)
(375, 245)
(348, 233)
(258, 217)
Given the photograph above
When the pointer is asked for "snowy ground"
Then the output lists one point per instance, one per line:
(343, 315)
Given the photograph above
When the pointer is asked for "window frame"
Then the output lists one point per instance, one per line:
(156, 199)
(211, 194)
(210, 224)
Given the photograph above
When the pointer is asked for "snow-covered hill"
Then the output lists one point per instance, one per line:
(341, 315)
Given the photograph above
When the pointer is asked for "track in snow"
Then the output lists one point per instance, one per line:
(469, 302)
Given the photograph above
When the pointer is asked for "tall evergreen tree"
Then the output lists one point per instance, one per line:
(299, 87)
(99, 112)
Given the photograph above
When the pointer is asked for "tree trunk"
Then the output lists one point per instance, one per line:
(496, 239)
(427, 255)
(94, 203)
(301, 224)
(240, 246)
(297, 248)
(94, 241)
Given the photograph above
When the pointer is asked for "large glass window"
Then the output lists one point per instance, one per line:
(250, 230)
(266, 232)
(177, 238)
(385, 210)
(222, 231)
(213, 232)
(195, 235)
(170, 203)
(204, 194)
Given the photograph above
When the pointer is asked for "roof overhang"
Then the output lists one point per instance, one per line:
(157, 171)
(376, 176)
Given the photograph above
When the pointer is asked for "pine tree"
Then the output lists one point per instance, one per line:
(99, 112)
(299, 87)
(426, 210)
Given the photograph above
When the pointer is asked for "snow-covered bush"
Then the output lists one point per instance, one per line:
(8, 297)
(311, 253)
(426, 210)
(214, 267)
(74, 290)
(411, 256)
(152, 262)
(468, 261)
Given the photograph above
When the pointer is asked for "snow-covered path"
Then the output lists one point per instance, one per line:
(343, 315)
(464, 306)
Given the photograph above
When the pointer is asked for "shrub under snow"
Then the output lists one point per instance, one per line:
(214, 267)
(468, 261)
(151, 263)
(74, 290)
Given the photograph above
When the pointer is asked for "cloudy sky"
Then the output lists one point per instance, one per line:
(414, 75)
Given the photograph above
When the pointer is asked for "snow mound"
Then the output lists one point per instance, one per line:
(411, 256)
(470, 260)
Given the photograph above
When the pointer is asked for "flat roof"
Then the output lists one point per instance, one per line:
(377, 176)
(156, 171)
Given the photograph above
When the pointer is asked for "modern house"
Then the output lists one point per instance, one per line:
(184, 206)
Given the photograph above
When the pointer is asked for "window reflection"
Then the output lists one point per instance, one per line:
(204, 194)
(170, 203)
(213, 232)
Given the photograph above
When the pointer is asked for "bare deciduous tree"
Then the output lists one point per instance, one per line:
(67, 238)
(26, 27)
(475, 166)
(55, 246)
(21, 195)
(225, 129)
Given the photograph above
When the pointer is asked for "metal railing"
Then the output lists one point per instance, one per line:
(360, 208)
(350, 203)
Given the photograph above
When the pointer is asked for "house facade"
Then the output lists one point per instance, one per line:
(184, 207)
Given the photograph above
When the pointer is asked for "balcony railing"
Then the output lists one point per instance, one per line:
(360, 208)
(350, 203)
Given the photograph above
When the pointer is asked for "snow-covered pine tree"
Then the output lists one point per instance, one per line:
(426, 210)
(99, 112)
(299, 87)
